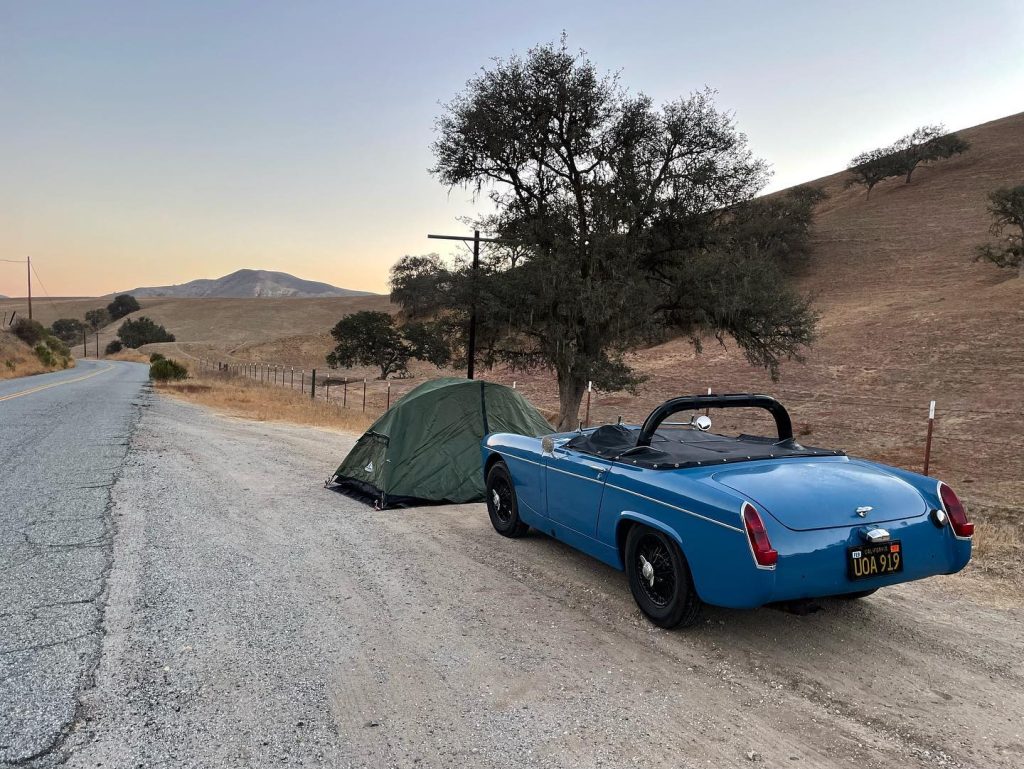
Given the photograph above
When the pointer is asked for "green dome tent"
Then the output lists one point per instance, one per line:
(426, 448)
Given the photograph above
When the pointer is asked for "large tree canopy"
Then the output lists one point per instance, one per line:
(624, 221)
(1006, 205)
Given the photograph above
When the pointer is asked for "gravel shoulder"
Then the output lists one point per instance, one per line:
(255, 618)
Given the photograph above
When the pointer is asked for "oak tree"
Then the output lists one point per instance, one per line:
(1006, 205)
(620, 224)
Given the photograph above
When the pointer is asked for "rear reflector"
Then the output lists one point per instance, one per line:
(764, 553)
(955, 510)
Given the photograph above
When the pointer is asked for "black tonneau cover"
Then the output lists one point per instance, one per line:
(686, 447)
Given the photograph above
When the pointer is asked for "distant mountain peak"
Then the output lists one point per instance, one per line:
(247, 283)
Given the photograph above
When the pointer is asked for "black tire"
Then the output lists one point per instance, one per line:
(666, 595)
(859, 594)
(502, 505)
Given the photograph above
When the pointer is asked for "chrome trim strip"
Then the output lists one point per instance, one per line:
(521, 459)
(675, 507)
(574, 475)
(555, 469)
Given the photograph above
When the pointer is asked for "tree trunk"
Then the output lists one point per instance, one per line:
(571, 386)
(909, 173)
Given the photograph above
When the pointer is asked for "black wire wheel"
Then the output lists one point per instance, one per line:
(659, 578)
(502, 505)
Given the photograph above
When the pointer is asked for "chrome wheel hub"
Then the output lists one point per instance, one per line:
(647, 571)
(497, 500)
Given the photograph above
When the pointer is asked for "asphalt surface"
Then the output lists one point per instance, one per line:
(63, 439)
(254, 619)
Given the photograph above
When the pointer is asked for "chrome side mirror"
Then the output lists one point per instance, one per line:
(702, 423)
(547, 445)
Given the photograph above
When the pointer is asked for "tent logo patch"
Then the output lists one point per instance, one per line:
(369, 467)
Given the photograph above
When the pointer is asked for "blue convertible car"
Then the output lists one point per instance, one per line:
(739, 521)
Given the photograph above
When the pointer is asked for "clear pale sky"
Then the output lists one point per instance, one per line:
(146, 143)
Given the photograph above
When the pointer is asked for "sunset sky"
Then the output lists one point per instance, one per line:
(147, 143)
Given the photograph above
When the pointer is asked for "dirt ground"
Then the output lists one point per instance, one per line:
(255, 617)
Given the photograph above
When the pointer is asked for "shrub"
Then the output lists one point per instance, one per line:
(155, 357)
(30, 332)
(165, 370)
(45, 355)
(123, 304)
(114, 347)
(68, 330)
(97, 319)
(57, 346)
(142, 330)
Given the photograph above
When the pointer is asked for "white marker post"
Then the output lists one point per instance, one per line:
(590, 389)
(928, 440)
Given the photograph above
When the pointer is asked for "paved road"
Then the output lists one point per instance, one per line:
(63, 439)
(256, 619)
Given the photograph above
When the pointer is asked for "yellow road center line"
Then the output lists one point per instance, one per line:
(54, 384)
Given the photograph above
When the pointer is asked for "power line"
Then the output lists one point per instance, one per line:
(45, 292)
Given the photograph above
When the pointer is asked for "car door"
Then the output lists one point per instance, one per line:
(575, 484)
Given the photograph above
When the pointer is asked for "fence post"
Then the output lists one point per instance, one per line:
(513, 384)
(291, 383)
(590, 388)
(344, 394)
(312, 386)
(364, 395)
(707, 412)
(928, 440)
(389, 395)
(302, 381)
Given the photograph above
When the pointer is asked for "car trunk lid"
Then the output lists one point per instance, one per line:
(804, 494)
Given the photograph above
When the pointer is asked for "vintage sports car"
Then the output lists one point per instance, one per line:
(738, 521)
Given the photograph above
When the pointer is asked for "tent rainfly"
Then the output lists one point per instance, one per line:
(426, 448)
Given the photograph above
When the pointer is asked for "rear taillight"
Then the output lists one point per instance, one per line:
(955, 510)
(764, 553)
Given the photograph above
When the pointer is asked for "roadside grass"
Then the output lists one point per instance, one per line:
(265, 403)
(128, 354)
(998, 545)
(17, 359)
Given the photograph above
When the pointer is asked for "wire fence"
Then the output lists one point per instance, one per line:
(914, 430)
(346, 391)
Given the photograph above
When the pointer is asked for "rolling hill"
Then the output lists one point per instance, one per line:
(247, 283)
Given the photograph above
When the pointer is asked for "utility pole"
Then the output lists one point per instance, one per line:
(476, 240)
(28, 264)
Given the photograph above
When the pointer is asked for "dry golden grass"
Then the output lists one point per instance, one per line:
(264, 403)
(134, 356)
(17, 359)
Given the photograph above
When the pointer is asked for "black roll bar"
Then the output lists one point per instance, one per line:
(738, 401)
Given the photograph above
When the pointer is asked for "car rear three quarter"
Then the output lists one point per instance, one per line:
(834, 526)
(735, 521)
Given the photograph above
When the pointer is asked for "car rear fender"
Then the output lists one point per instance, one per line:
(721, 565)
